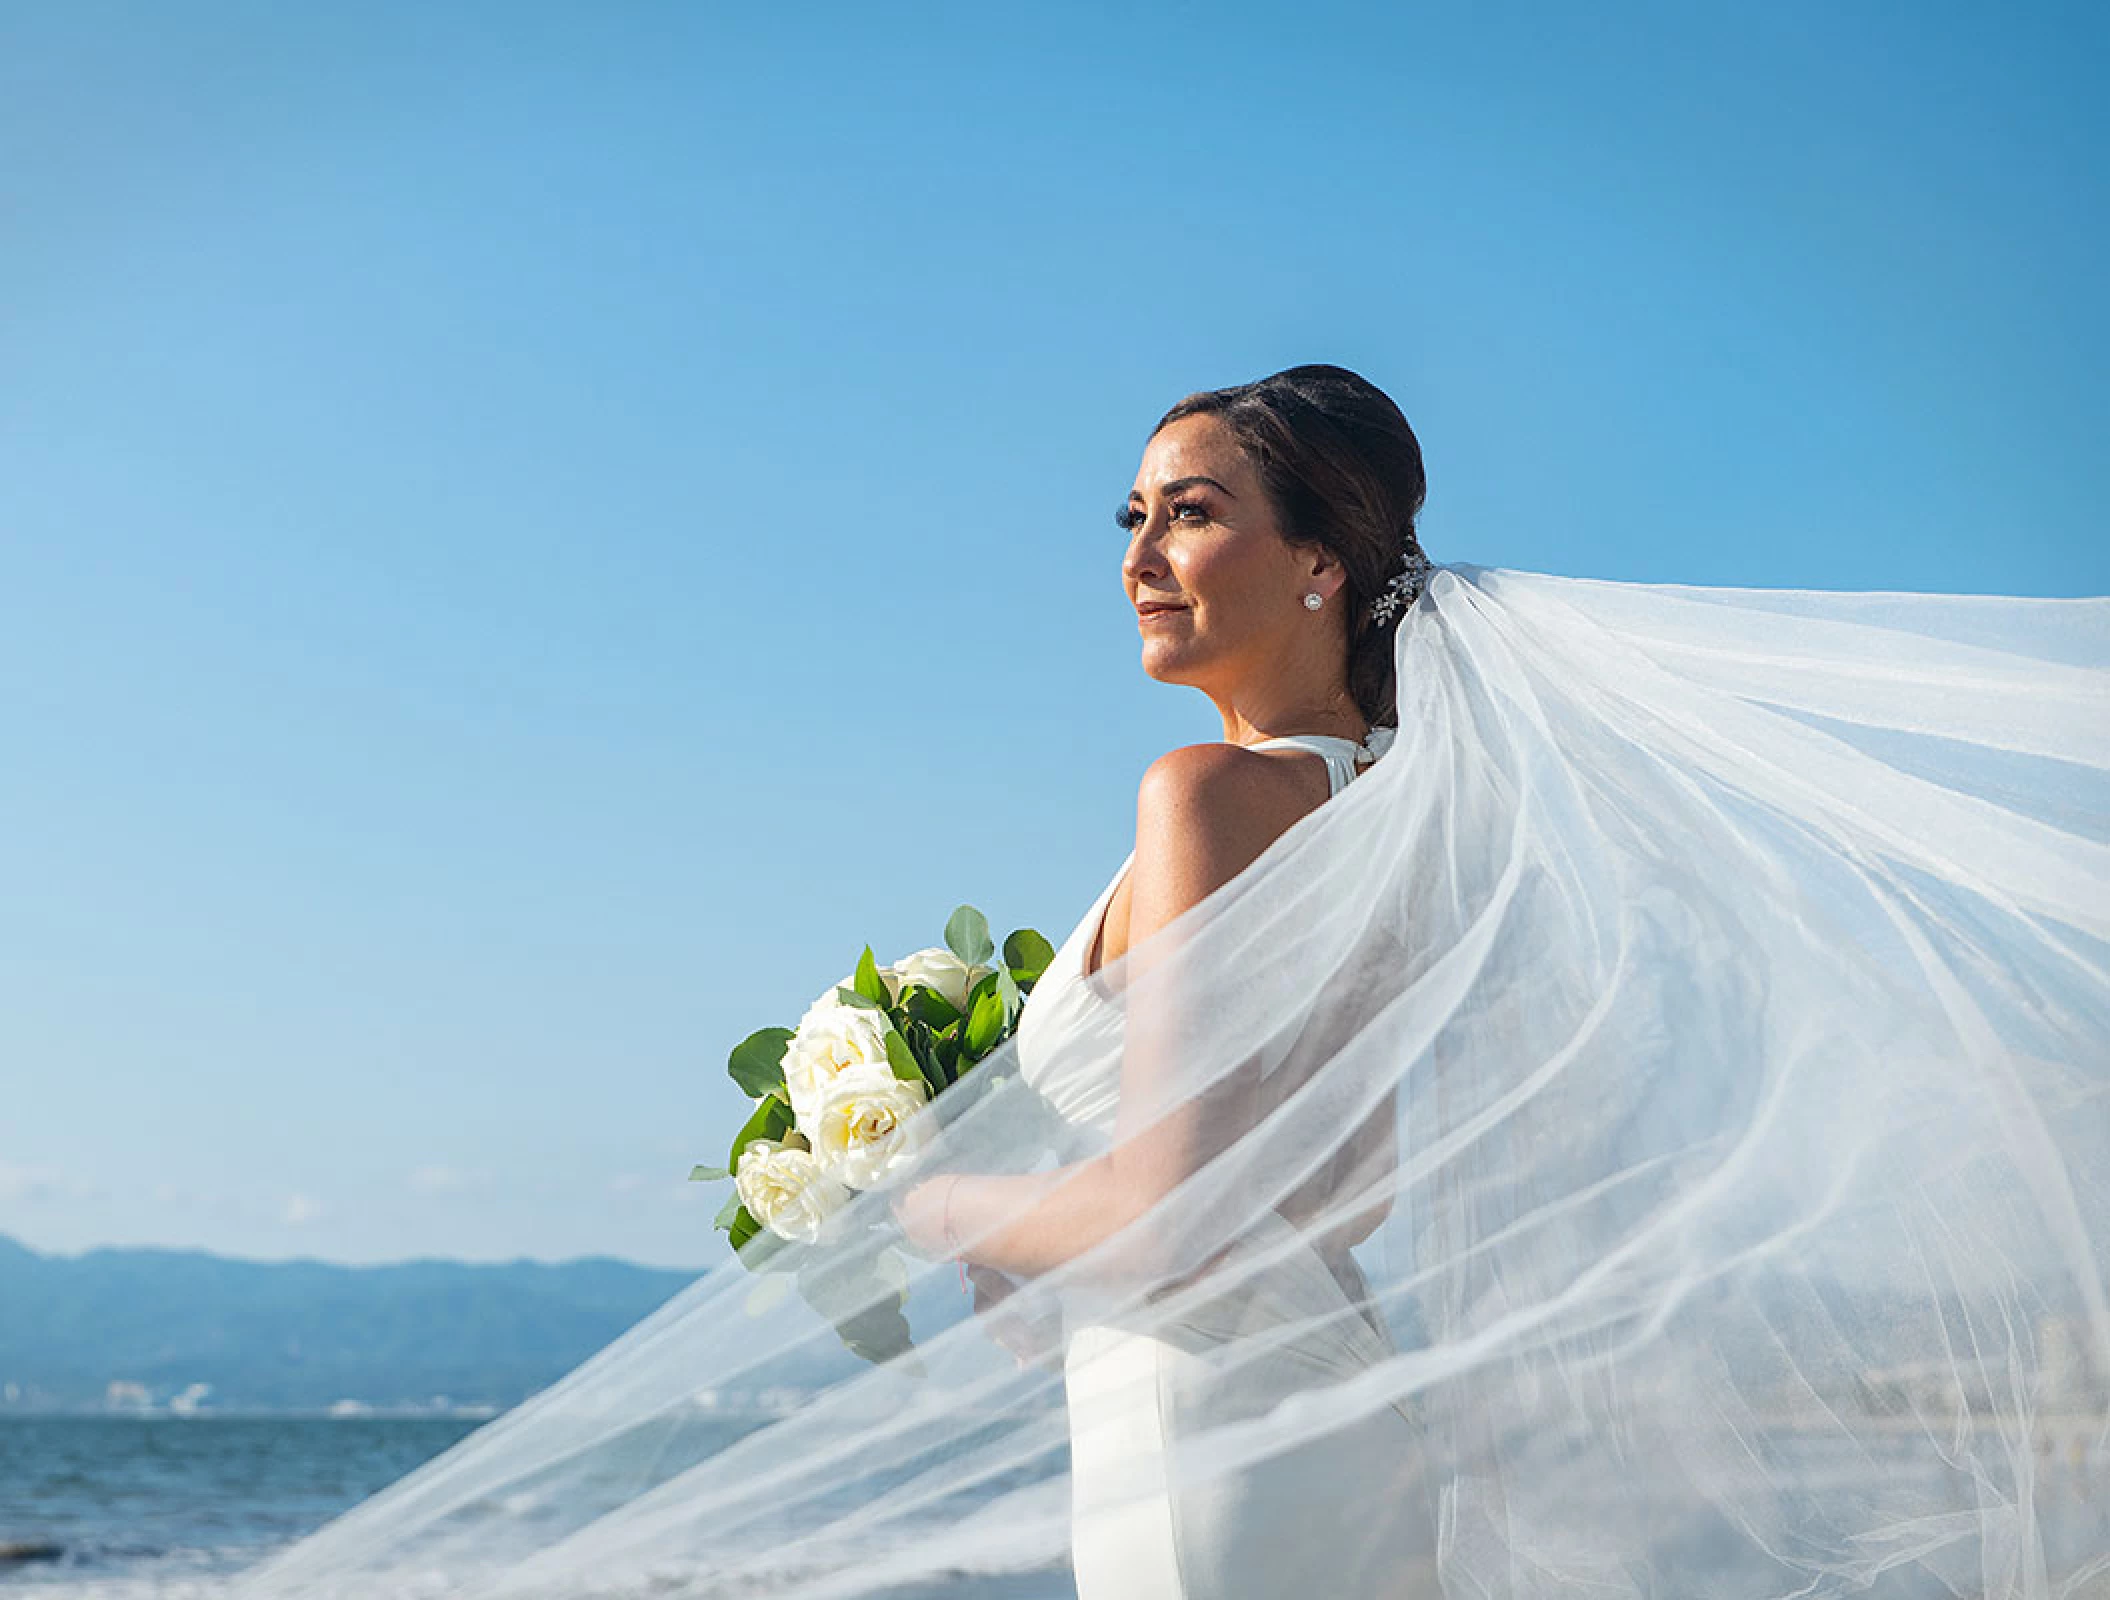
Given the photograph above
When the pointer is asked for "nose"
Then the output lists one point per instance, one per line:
(1144, 559)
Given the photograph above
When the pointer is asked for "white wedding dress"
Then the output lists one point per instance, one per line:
(1149, 1523)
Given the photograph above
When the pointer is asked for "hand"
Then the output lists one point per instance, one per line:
(920, 1209)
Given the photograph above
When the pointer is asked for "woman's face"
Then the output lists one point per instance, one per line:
(1204, 545)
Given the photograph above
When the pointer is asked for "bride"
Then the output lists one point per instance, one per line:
(1588, 1089)
(1271, 551)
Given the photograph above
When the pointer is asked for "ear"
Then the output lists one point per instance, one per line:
(1319, 568)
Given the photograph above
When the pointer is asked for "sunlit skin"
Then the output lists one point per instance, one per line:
(1204, 540)
(1204, 537)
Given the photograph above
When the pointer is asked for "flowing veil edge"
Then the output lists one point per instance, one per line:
(1726, 974)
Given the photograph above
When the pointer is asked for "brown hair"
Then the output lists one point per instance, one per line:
(1344, 470)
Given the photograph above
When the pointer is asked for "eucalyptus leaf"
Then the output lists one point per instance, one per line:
(728, 1213)
(967, 935)
(708, 1174)
(850, 997)
(1028, 955)
(757, 1062)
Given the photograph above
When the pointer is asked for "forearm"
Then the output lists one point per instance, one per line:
(1029, 1223)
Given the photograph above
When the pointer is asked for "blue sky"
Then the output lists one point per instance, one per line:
(528, 534)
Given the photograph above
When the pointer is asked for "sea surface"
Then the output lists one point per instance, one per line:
(172, 1508)
(158, 1501)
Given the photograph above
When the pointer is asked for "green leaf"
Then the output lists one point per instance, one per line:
(888, 1268)
(985, 1025)
(868, 982)
(1007, 991)
(878, 1332)
(923, 1044)
(744, 1228)
(927, 1005)
(850, 997)
(757, 1062)
(772, 1120)
(901, 1058)
(729, 1213)
(967, 935)
(708, 1174)
(1028, 955)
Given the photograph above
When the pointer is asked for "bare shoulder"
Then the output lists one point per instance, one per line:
(1204, 813)
(1227, 786)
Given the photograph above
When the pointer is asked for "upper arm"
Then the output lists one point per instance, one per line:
(1204, 813)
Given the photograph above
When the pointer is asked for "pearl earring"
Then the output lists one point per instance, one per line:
(1312, 602)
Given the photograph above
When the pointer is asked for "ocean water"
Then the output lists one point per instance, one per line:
(158, 1501)
(172, 1508)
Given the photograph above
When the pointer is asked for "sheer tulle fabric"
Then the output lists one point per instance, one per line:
(1687, 1048)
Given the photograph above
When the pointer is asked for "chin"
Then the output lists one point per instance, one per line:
(1176, 666)
(1163, 665)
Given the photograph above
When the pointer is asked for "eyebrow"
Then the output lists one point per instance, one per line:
(1177, 484)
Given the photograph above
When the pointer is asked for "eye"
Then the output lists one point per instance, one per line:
(1128, 518)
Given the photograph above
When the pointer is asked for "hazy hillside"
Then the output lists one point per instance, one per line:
(303, 1334)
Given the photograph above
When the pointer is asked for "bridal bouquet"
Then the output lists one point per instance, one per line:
(839, 1100)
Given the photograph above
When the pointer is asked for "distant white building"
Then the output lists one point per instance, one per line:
(124, 1395)
(191, 1401)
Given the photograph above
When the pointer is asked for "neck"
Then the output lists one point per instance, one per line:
(1334, 721)
(1292, 684)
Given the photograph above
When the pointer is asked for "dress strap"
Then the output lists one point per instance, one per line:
(1340, 755)
(1370, 747)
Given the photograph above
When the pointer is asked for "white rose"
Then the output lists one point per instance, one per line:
(830, 1039)
(784, 1189)
(868, 1123)
(939, 969)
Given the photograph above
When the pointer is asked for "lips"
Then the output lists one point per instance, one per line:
(1153, 608)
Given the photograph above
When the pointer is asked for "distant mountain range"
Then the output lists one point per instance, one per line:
(138, 1328)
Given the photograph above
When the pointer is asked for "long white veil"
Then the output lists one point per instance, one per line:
(1710, 991)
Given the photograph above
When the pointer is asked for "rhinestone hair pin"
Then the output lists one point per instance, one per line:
(1405, 587)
